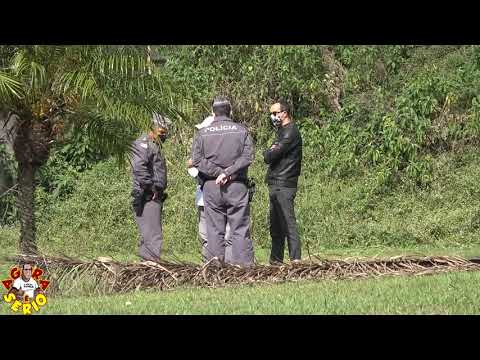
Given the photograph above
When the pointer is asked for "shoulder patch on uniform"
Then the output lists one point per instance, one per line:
(145, 146)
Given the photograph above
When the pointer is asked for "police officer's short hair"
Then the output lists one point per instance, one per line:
(157, 121)
(221, 106)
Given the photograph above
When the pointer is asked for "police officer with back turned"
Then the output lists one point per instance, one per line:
(223, 151)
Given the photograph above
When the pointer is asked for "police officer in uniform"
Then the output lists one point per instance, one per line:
(149, 183)
(284, 159)
(223, 151)
(202, 223)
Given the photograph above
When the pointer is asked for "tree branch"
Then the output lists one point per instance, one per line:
(11, 189)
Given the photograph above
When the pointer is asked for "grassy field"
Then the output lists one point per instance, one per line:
(453, 293)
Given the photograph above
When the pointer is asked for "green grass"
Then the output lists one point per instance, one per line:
(454, 293)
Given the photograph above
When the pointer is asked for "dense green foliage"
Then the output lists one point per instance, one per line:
(400, 105)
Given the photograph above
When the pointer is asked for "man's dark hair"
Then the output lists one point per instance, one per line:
(26, 263)
(221, 106)
(284, 107)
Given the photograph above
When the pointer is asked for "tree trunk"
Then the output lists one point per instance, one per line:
(31, 151)
(334, 78)
(26, 207)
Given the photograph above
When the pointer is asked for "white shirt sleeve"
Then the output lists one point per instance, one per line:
(17, 284)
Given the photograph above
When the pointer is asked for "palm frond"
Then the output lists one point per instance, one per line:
(77, 81)
(9, 87)
(19, 63)
(37, 75)
(31, 72)
(125, 61)
(104, 68)
(29, 68)
(112, 91)
(109, 135)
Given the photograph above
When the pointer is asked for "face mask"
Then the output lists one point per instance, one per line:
(275, 120)
(162, 135)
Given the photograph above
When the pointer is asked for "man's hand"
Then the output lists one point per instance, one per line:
(189, 163)
(222, 179)
(273, 147)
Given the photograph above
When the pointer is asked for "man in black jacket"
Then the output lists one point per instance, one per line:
(284, 165)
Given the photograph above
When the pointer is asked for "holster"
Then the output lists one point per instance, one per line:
(251, 189)
(202, 178)
(139, 201)
(164, 197)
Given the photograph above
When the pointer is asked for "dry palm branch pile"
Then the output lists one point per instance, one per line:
(105, 276)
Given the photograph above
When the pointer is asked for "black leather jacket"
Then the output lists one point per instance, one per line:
(284, 159)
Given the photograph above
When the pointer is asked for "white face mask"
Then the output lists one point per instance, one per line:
(275, 120)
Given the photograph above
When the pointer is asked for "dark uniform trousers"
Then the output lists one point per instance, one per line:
(230, 201)
(150, 226)
(202, 231)
(283, 223)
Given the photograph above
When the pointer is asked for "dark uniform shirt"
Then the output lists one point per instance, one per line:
(223, 147)
(148, 165)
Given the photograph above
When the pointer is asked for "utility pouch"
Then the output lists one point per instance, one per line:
(138, 202)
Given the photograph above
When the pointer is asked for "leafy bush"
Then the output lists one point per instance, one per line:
(66, 162)
(401, 104)
(253, 76)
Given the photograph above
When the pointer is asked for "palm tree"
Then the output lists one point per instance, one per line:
(46, 89)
